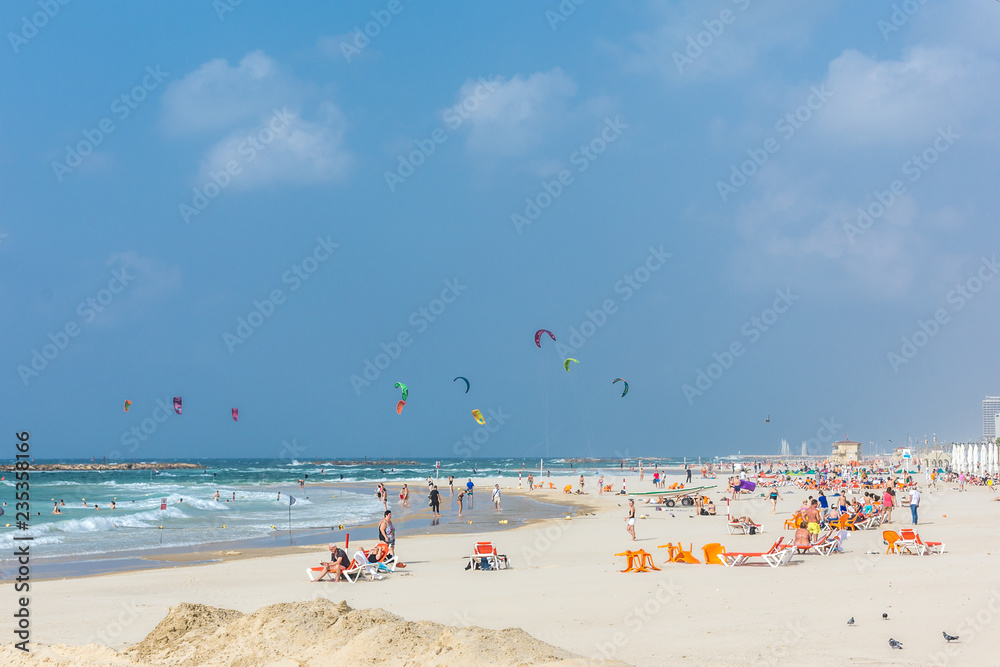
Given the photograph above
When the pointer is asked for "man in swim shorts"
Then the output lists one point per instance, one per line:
(813, 520)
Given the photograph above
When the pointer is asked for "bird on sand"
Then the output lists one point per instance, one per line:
(851, 622)
(894, 644)
(948, 638)
(885, 617)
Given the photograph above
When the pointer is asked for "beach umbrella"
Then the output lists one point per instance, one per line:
(954, 456)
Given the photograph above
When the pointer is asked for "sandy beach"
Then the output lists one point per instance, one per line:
(566, 590)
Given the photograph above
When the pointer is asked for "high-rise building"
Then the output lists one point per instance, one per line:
(991, 408)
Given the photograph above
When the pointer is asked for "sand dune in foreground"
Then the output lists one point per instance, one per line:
(317, 632)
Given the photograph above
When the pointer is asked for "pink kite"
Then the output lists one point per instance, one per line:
(236, 414)
(177, 404)
(538, 336)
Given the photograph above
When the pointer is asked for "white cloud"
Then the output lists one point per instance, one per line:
(508, 118)
(300, 152)
(694, 42)
(218, 95)
(261, 118)
(907, 99)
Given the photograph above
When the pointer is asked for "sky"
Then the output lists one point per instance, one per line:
(746, 210)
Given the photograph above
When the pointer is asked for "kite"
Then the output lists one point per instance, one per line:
(622, 381)
(479, 416)
(538, 336)
(236, 414)
(399, 407)
(406, 392)
(467, 385)
(177, 404)
(128, 404)
(566, 364)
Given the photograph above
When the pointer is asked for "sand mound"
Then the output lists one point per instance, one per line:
(309, 634)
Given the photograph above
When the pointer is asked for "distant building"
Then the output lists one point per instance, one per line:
(846, 450)
(991, 409)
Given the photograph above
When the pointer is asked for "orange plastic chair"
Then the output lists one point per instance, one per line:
(714, 554)
(638, 561)
(889, 538)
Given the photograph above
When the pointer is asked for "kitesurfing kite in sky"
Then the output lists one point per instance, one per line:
(622, 381)
(177, 404)
(128, 404)
(566, 364)
(538, 336)
(399, 407)
(479, 416)
(406, 392)
(467, 385)
(236, 414)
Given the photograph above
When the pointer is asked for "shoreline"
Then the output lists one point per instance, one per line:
(411, 522)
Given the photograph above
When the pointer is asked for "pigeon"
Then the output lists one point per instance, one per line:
(851, 622)
(894, 644)
(948, 638)
(885, 617)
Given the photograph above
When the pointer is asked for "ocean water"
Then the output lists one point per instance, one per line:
(333, 496)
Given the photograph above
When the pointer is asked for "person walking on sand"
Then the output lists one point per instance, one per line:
(581, 484)
(688, 470)
(887, 504)
(496, 497)
(451, 484)
(531, 482)
(630, 519)
(914, 503)
(774, 497)
(461, 500)
(600, 485)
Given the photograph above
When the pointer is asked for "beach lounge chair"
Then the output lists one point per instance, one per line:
(919, 545)
(897, 544)
(779, 554)
(714, 554)
(352, 574)
(385, 563)
(823, 547)
(742, 526)
(485, 557)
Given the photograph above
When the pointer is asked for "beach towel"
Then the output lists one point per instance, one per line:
(747, 485)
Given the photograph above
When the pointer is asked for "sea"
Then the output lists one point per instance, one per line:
(260, 501)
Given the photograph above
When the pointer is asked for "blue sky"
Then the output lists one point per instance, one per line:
(661, 184)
